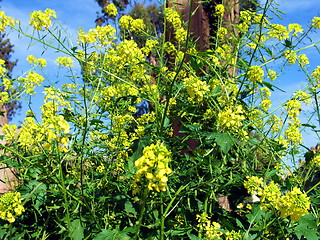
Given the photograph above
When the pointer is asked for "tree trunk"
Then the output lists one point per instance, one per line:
(7, 177)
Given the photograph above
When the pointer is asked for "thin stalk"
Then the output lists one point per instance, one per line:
(141, 214)
(162, 218)
(66, 203)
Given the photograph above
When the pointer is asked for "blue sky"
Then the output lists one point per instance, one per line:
(73, 14)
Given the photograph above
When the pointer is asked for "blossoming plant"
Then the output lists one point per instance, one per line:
(186, 144)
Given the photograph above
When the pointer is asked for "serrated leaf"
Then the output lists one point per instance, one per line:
(128, 207)
(307, 227)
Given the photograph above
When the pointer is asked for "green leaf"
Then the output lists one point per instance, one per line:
(308, 125)
(239, 223)
(225, 141)
(194, 237)
(77, 229)
(307, 227)
(95, 121)
(128, 207)
(111, 235)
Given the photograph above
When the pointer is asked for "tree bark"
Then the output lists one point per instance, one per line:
(7, 177)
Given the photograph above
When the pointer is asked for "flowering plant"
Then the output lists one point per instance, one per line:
(164, 140)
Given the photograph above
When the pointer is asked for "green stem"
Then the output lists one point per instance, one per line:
(66, 203)
(141, 214)
(162, 218)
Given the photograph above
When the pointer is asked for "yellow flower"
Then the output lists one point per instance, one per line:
(294, 204)
(6, 21)
(181, 35)
(211, 229)
(296, 28)
(196, 88)
(316, 160)
(64, 61)
(254, 185)
(111, 10)
(272, 75)
(222, 32)
(9, 131)
(152, 168)
(137, 25)
(40, 20)
(278, 31)
(303, 60)
(173, 17)
(255, 74)
(291, 56)
(316, 22)
(36, 61)
(219, 10)
(125, 22)
(10, 206)
(230, 119)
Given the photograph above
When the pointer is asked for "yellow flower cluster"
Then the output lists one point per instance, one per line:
(278, 31)
(316, 160)
(169, 47)
(150, 44)
(196, 88)
(40, 20)
(303, 60)
(222, 33)
(10, 206)
(34, 136)
(6, 21)
(272, 74)
(255, 74)
(36, 61)
(173, 17)
(29, 83)
(64, 61)
(211, 229)
(293, 107)
(316, 76)
(293, 203)
(129, 52)
(295, 28)
(103, 35)
(3, 70)
(111, 10)
(316, 22)
(133, 25)
(230, 119)
(219, 10)
(291, 56)
(265, 99)
(254, 185)
(302, 96)
(233, 235)
(152, 168)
